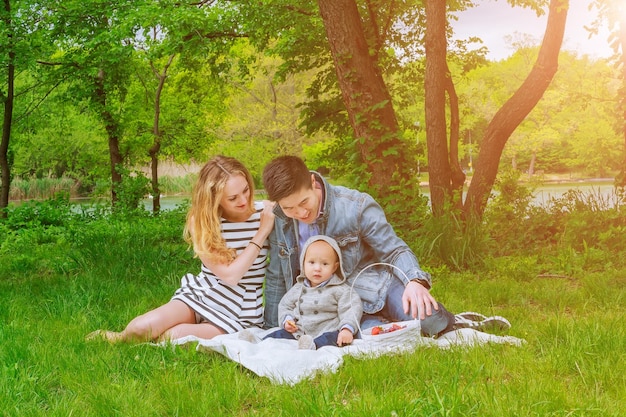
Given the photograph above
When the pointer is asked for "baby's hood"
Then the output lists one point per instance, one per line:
(333, 243)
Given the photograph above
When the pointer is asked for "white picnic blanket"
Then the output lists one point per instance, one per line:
(282, 362)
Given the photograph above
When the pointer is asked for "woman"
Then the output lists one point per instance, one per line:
(228, 232)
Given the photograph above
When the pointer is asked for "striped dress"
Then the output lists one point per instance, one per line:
(230, 308)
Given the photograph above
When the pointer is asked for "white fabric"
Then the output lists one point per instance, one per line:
(282, 362)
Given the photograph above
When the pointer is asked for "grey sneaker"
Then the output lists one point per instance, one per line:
(461, 321)
(248, 336)
(470, 315)
(306, 342)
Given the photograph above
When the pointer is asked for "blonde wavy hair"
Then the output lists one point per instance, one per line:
(203, 226)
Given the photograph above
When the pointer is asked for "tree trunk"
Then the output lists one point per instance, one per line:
(515, 110)
(621, 182)
(157, 134)
(112, 130)
(439, 173)
(531, 166)
(7, 120)
(365, 96)
(457, 176)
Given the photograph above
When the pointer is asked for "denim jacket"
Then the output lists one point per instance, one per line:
(358, 224)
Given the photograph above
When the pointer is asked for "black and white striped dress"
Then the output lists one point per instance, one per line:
(231, 308)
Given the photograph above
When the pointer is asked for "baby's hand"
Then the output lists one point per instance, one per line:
(291, 326)
(345, 337)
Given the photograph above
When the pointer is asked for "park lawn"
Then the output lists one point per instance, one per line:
(572, 364)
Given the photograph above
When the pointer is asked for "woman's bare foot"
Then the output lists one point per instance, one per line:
(107, 335)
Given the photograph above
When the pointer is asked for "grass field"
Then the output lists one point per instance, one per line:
(61, 281)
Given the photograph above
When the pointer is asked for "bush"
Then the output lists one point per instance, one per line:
(583, 222)
(55, 211)
(47, 237)
(133, 188)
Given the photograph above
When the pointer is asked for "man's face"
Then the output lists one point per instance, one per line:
(302, 205)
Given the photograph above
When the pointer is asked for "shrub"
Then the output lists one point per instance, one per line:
(133, 188)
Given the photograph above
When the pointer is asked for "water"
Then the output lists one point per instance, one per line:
(603, 188)
(167, 202)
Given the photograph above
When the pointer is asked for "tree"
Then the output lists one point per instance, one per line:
(8, 99)
(93, 41)
(440, 172)
(364, 93)
(350, 48)
(21, 42)
(504, 122)
(515, 110)
(188, 32)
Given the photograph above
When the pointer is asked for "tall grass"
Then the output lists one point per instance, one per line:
(177, 185)
(63, 275)
(41, 188)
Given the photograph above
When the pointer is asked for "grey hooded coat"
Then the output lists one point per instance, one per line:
(322, 309)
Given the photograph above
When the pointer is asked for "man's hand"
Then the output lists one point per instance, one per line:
(345, 337)
(418, 299)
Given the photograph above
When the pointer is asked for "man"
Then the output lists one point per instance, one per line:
(308, 205)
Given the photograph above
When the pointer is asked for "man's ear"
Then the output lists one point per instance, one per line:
(313, 181)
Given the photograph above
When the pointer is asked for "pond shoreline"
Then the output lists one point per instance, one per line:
(543, 184)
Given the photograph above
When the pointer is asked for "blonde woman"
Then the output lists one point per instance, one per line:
(228, 231)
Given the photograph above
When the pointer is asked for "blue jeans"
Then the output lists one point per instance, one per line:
(438, 322)
(325, 339)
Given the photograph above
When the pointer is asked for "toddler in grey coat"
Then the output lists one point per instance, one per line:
(320, 309)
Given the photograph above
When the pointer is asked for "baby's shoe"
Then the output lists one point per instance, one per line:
(306, 342)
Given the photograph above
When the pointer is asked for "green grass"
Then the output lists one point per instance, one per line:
(59, 282)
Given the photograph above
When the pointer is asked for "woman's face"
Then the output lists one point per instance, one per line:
(235, 200)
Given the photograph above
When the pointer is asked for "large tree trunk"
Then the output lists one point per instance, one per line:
(7, 120)
(112, 130)
(365, 95)
(515, 110)
(439, 173)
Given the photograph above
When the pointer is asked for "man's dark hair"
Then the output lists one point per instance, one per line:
(284, 176)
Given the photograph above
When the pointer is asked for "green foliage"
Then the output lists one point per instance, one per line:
(581, 228)
(36, 236)
(509, 206)
(55, 211)
(131, 190)
(406, 209)
(53, 236)
(575, 114)
(61, 140)
(448, 240)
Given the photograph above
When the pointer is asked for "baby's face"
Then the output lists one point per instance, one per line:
(320, 262)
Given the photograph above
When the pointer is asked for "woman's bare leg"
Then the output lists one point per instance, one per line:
(201, 330)
(151, 325)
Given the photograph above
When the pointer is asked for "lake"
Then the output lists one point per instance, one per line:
(542, 194)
